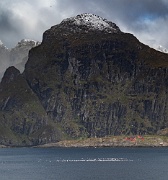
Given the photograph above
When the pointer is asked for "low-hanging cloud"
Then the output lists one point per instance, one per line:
(146, 19)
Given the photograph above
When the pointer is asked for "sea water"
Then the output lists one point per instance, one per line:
(84, 164)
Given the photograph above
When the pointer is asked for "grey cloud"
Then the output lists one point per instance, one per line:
(10, 27)
(5, 23)
(142, 18)
(146, 19)
(130, 13)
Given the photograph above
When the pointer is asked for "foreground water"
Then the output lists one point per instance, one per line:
(84, 164)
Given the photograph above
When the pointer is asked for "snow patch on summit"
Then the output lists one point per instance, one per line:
(93, 22)
(26, 42)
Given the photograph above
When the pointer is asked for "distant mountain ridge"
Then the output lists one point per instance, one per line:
(86, 79)
(16, 56)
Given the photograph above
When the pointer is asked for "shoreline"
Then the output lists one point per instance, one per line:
(113, 141)
(110, 141)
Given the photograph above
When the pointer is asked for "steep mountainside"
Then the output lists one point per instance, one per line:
(87, 79)
(23, 119)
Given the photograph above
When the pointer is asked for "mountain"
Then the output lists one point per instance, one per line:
(23, 119)
(86, 79)
(16, 56)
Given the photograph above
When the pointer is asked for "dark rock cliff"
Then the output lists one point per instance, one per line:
(23, 121)
(88, 80)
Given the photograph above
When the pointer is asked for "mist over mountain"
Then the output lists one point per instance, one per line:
(16, 56)
(86, 79)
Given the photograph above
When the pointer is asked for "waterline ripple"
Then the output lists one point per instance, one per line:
(95, 160)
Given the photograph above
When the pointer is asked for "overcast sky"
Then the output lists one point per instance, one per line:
(146, 19)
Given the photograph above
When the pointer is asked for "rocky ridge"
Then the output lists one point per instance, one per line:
(83, 81)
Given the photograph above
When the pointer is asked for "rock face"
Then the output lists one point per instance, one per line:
(86, 79)
(23, 119)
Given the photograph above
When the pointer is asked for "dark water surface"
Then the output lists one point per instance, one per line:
(84, 164)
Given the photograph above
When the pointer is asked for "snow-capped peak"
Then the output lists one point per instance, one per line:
(93, 22)
(25, 42)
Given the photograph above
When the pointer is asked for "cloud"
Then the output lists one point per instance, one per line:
(23, 19)
(146, 19)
